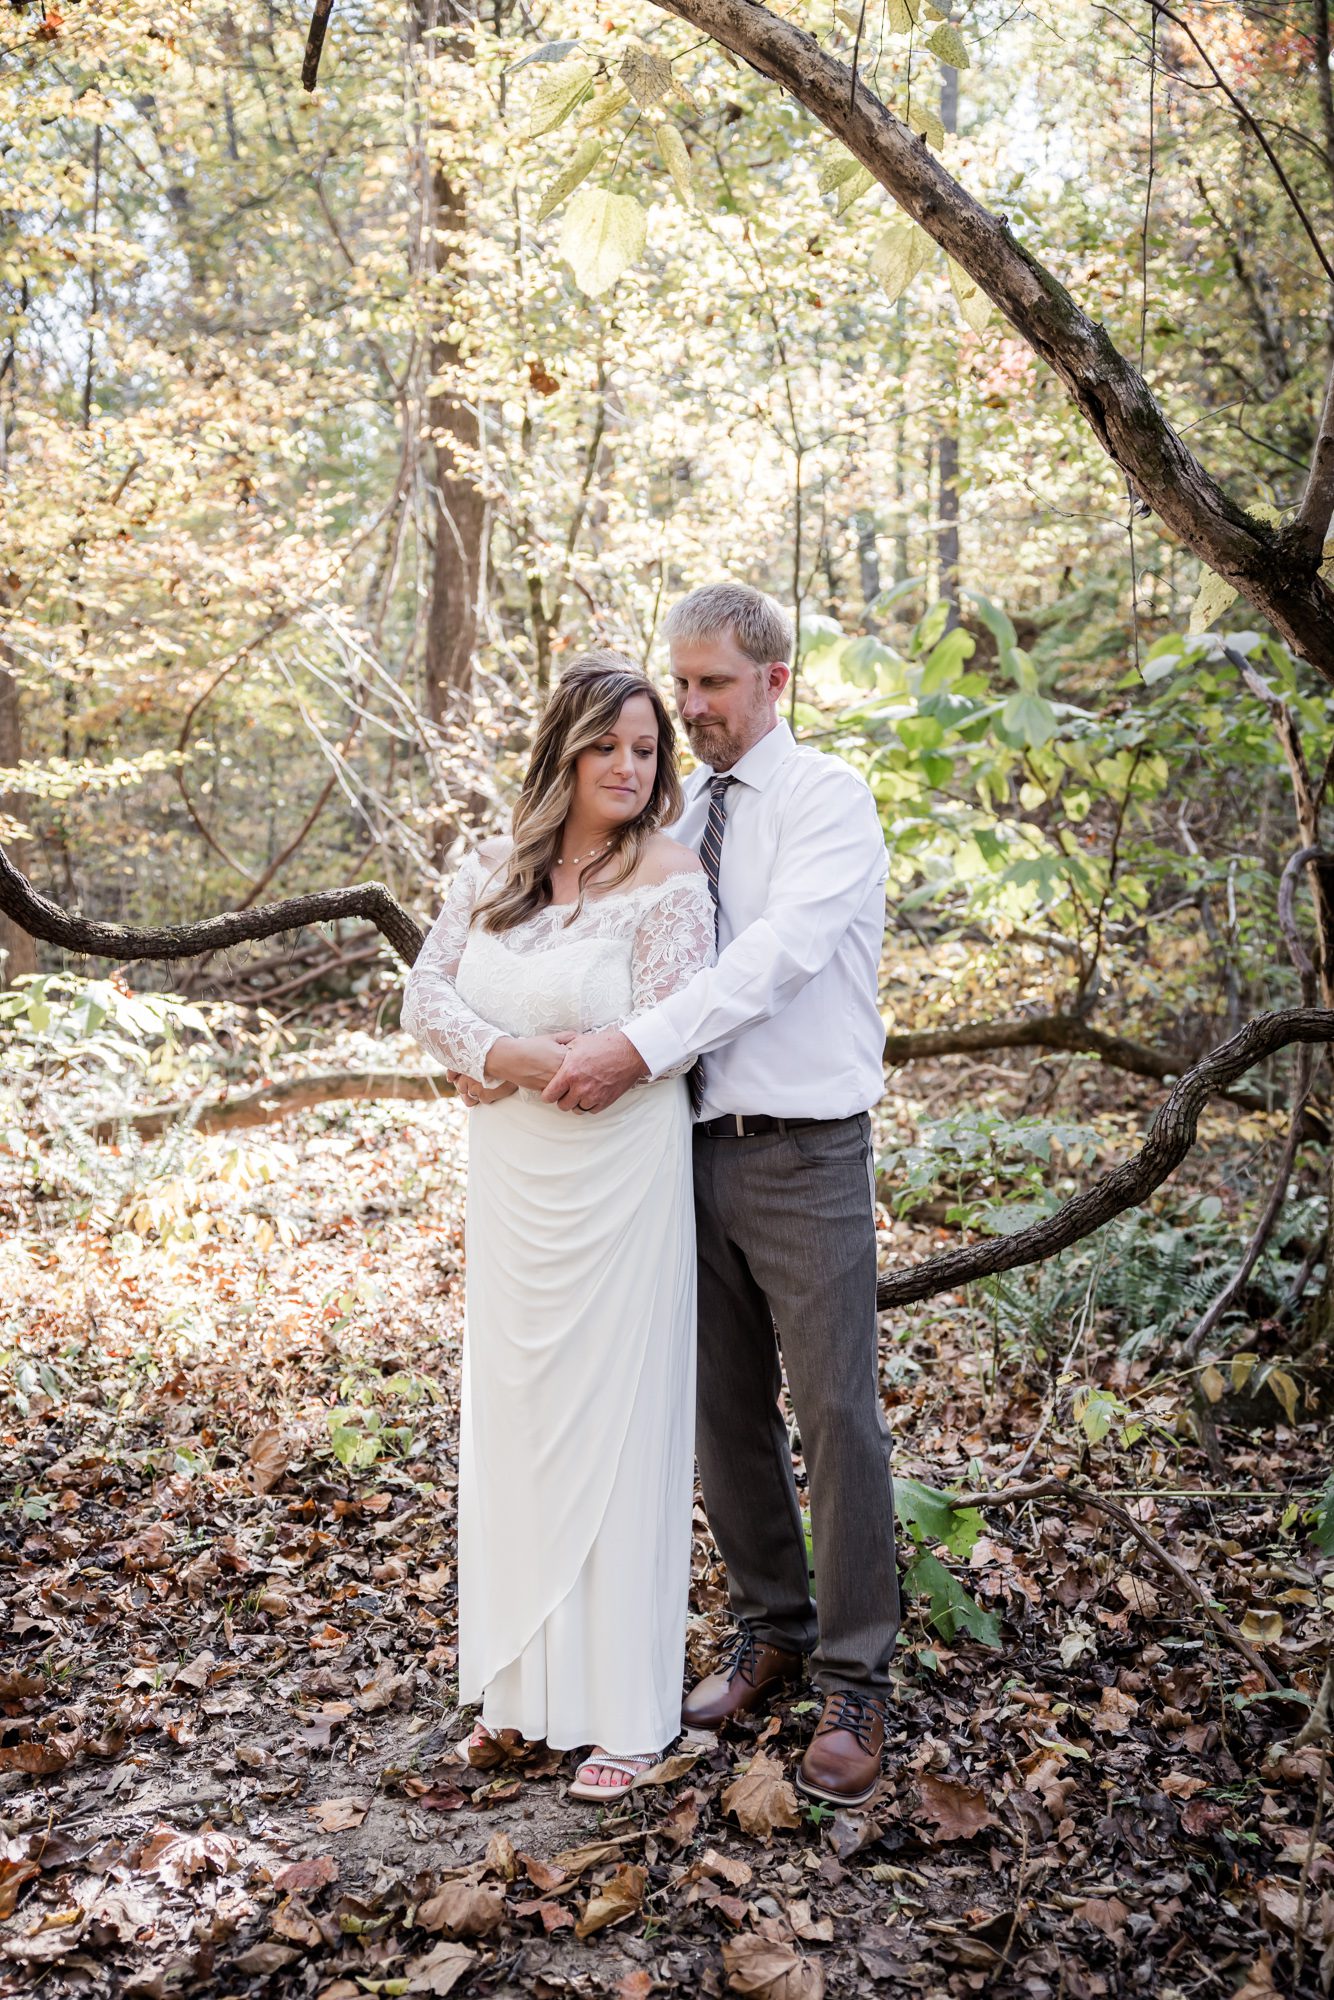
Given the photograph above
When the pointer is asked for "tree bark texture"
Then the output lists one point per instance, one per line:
(19, 946)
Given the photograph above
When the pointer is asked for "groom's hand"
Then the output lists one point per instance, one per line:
(597, 1070)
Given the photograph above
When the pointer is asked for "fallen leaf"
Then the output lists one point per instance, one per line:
(1115, 1712)
(771, 1971)
(176, 1857)
(762, 1798)
(810, 1929)
(268, 1456)
(636, 1985)
(725, 1867)
(300, 1877)
(540, 1873)
(337, 1815)
(13, 1875)
(196, 1674)
(383, 1688)
(463, 1909)
(1138, 1594)
(266, 1958)
(297, 1924)
(440, 1969)
(574, 1860)
(670, 1769)
(1180, 1785)
(956, 1810)
(500, 1857)
(1259, 1981)
(554, 1916)
(442, 1798)
(619, 1897)
(39, 1760)
(1106, 1913)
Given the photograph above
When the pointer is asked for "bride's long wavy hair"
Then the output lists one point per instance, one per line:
(589, 697)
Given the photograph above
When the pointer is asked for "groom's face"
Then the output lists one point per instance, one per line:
(724, 698)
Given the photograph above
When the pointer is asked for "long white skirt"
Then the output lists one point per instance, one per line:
(576, 1460)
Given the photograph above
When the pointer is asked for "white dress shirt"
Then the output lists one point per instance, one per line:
(788, 1019)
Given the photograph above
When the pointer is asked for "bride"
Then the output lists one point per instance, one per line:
(577, 1423)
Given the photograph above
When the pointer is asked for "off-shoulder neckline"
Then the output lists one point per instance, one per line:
(672, 881)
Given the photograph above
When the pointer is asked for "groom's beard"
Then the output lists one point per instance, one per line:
(715, 744)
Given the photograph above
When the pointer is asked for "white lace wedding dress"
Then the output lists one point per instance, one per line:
(577, 1427)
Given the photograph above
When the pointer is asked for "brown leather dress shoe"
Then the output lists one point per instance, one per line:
(745, 1682)
(842, 1762)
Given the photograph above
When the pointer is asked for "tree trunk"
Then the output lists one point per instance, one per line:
(458, 509)
(19, 948)
(947, 436)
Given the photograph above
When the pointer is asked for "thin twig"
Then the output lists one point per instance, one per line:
(1088, 1496)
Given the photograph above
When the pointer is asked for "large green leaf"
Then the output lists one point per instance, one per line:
(951, 1605)
(1323, 1531)
(1030, 718)
(937, 1516)
(602, 235)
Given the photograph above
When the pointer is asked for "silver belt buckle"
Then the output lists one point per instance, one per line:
(740, 1125)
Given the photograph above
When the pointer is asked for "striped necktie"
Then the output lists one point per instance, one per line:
(711, 846)
(711, 854)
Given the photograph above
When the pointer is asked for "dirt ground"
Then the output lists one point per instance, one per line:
(227, 1707)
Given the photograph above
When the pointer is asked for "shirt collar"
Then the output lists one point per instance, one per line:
(759, 765)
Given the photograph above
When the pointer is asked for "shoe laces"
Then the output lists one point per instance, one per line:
(857, 1713)
(745, 1656)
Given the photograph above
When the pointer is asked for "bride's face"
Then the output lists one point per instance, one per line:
(613, 778)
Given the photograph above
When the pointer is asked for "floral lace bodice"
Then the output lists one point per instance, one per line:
(625, 951)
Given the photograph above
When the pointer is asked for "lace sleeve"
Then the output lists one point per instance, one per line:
(674, 940)
(433, 1013)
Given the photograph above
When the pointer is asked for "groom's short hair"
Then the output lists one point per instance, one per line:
(758, 627)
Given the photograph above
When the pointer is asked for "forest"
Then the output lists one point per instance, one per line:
(362, 363)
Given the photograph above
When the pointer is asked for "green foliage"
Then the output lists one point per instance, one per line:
(949, 1604)
(1322, 1530)
(931, 1518)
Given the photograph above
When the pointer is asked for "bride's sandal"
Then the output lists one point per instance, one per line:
(631, 1767)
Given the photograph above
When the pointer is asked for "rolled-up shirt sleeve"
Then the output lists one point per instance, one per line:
(831, 853)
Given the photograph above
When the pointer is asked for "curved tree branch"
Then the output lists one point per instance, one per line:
(1170, 1138)
(42, 918)
(1074, 1035)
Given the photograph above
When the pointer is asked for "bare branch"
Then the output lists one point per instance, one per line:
(319, 27)
(41, 918)
(1317, 504)
(276, 1100)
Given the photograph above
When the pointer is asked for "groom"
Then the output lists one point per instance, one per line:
(789, 1032)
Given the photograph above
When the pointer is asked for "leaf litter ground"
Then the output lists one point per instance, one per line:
(227, 1708)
